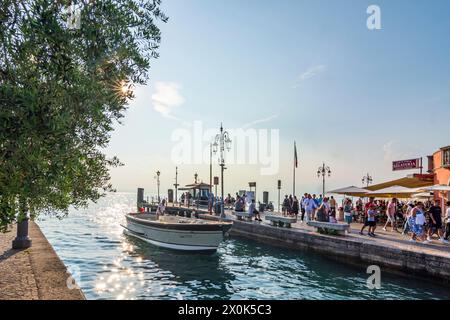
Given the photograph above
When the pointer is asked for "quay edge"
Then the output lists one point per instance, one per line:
(405, 262)
(361, 254)
(36, 273)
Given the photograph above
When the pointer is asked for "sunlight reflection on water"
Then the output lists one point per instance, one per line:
(115, 266)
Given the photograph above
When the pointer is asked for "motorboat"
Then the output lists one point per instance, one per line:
(179, 233)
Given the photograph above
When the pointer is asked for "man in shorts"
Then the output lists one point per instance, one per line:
(391, 211)
(435, 213)
(253, 212)
(371, 220)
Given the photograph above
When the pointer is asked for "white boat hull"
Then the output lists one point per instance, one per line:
(193, 236)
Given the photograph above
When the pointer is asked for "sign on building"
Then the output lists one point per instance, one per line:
(407, 164)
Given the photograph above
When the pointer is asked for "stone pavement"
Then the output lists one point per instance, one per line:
(36, 273)
(16, 275)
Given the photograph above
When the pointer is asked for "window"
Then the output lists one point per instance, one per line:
(446, 157)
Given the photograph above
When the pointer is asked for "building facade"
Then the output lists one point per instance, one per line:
(441, 167)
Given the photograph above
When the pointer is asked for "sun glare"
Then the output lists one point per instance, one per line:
(124, 88)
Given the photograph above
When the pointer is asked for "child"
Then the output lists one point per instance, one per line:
(371, 221)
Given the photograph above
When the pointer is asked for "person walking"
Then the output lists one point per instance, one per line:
(366, 209)
(160, 209)
(418, 221)
(316, 201)
(323, 211)
(302, 207)
(407, 215)
(295, 207)
(435, 213)
(253, 212)
(320, 200)
(371, 220)
(291, 204)
(391, 210)
(447, 222)
(285, 206)
(310, 207)
(348, 211)
(333, 205)
(359, 207)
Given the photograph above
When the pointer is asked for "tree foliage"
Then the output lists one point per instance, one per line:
(61, 91)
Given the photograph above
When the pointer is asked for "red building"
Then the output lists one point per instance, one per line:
(439, 165)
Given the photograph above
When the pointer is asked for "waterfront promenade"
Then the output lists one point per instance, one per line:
(389, 250)
(36, 273)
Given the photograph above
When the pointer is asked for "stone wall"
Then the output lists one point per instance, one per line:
(420, 264)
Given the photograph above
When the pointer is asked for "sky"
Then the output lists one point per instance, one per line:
(352, 98)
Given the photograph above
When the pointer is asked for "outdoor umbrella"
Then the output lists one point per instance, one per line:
(423, 195)
(437, 187)
(393, 192)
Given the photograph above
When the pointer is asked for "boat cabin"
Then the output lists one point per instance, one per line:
(199, 192)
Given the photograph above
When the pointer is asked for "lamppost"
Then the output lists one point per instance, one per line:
(367, 180)
(195, 190)
(323, 171)
(279, 190)
(210, 167)
(221, 142)
(210, 203)
(176, 186)
(158, 173)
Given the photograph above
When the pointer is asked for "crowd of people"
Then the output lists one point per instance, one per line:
(420, 221)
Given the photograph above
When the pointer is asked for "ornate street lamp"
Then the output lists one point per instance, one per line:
(158, 173)
(323, 171)
(367, 180)
(222, 142)
(176, 186)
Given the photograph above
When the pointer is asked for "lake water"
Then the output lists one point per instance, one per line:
(110, 265)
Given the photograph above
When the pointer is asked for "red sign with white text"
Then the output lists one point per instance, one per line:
(407, 164)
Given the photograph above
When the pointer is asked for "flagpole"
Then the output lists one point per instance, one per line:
(295, 163)
(294, 180)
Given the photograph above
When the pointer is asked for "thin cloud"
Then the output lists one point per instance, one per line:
(166, 98)
(393, 150)
(310, 73)
(388, 151)
(251, 124)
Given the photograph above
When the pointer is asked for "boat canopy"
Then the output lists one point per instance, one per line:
(196, 186)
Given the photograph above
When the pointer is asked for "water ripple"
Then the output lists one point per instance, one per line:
(110, 265)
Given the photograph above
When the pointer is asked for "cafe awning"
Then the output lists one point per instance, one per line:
(350, 191)
(412, 181)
